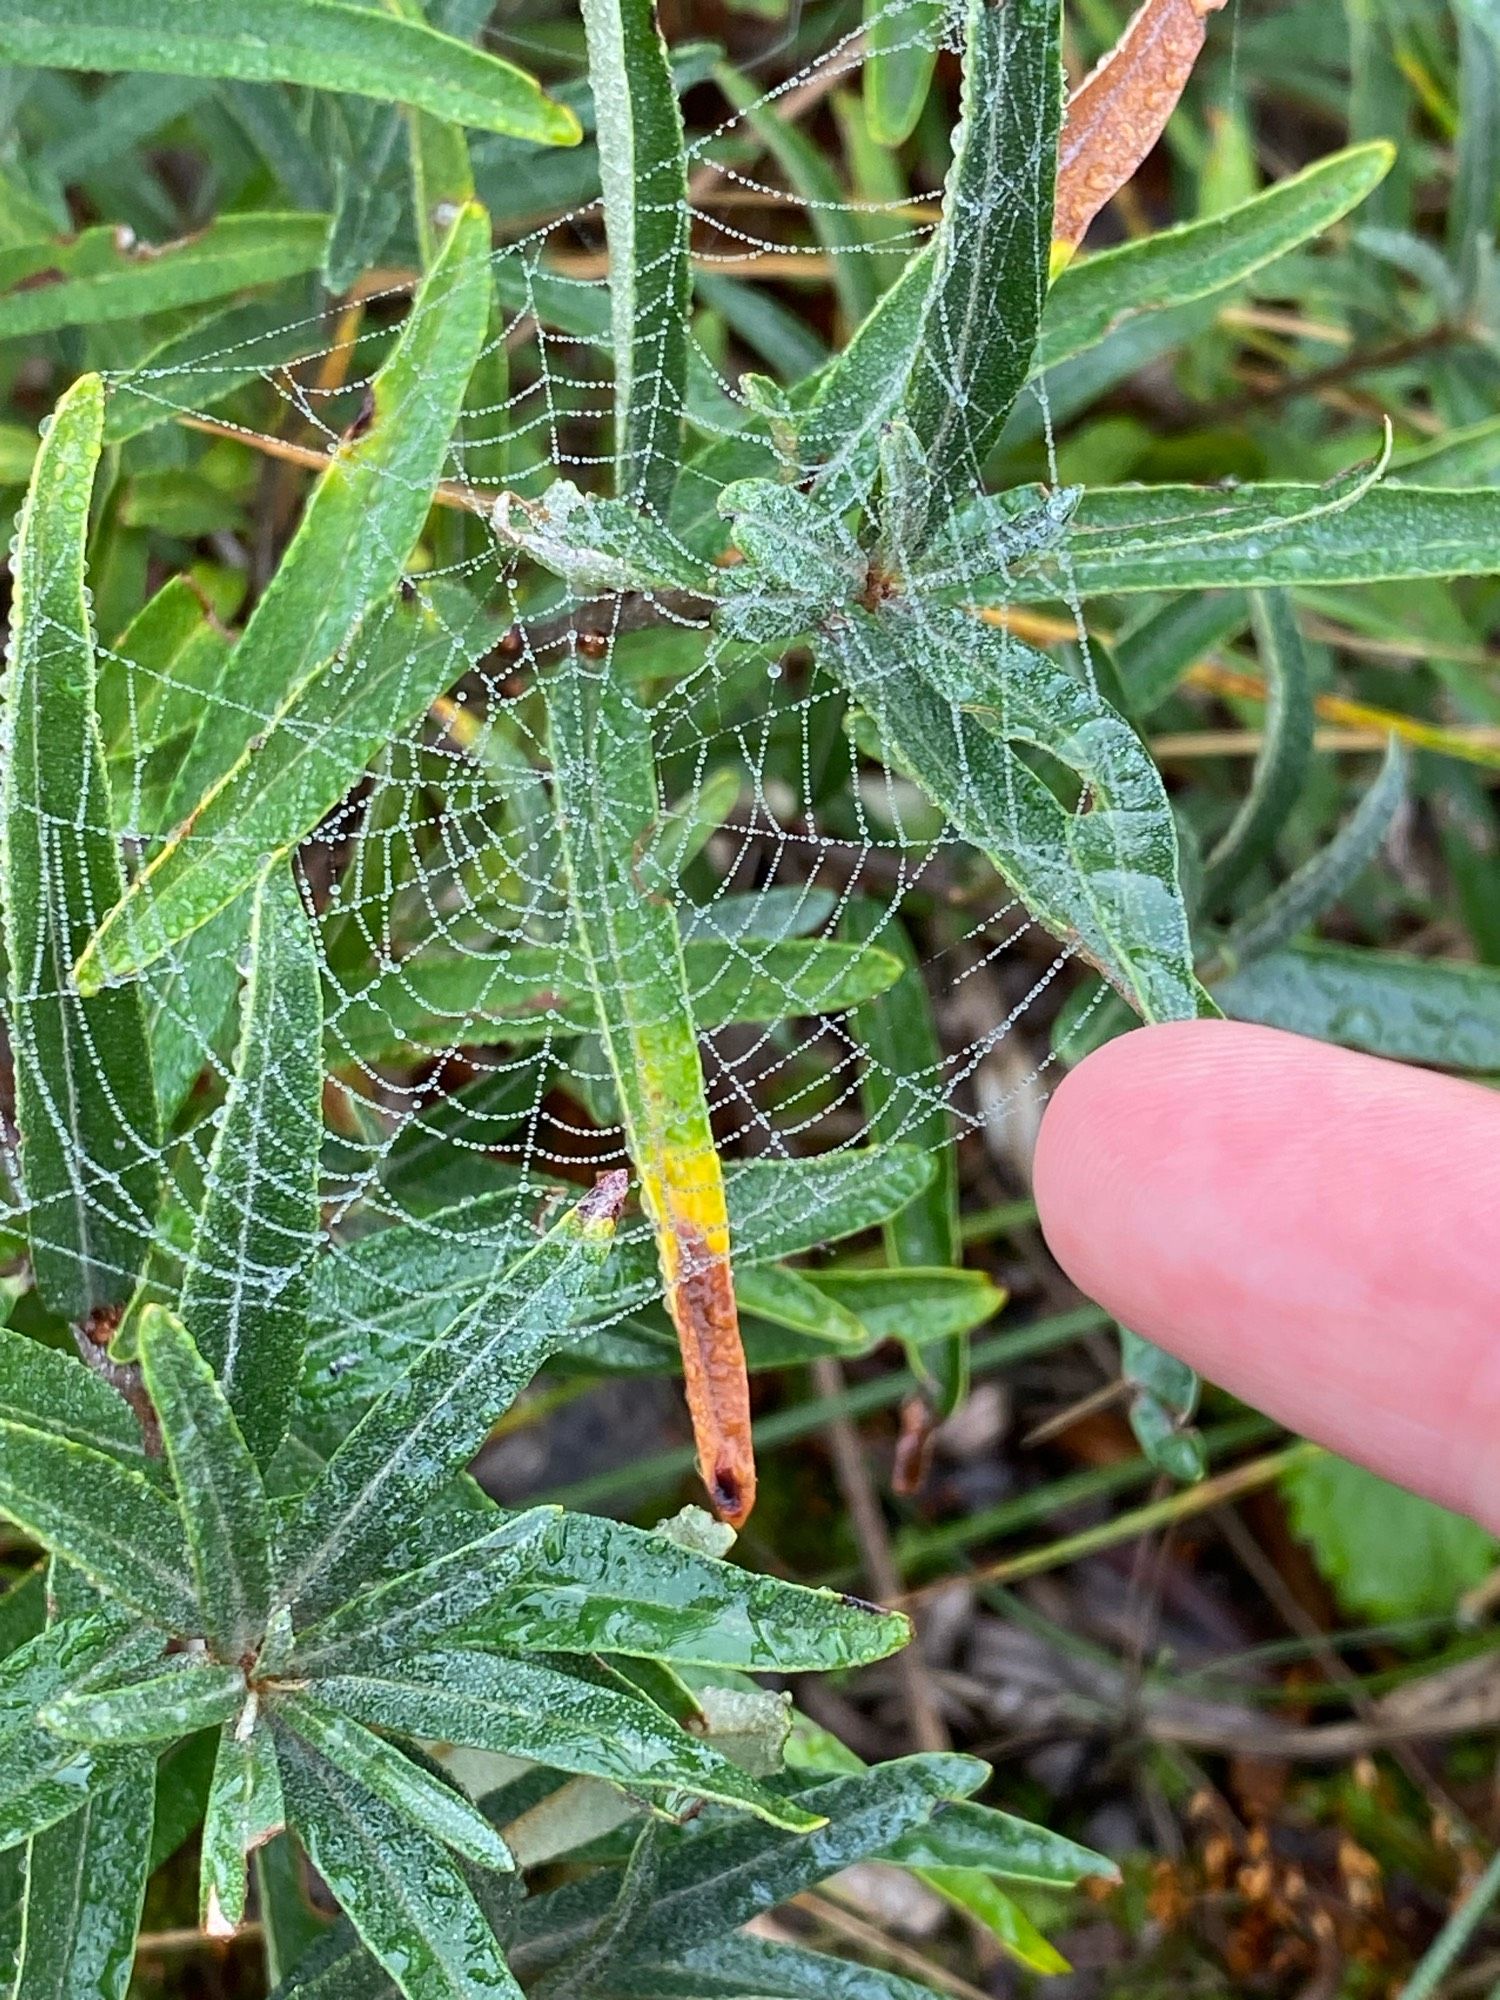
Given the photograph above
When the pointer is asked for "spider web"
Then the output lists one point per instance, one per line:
(447, 848)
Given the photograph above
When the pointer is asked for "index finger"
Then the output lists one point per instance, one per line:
(1319, 1231)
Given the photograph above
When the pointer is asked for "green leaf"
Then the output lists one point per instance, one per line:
(85, 1101)
(104, 275)
(621, 898)
(108, 1520)
(314, 751)
(860, 389)
(597, 546)
(85, 1886)
(529, 1709)
(1104, 880)
(1175, 266)
(244, 1811)
(219, 1490)
(157, 1709)
(1321, 881)
(44, 1777)
(901, 50)
(1389, 1554)
(406, 1898)
(979, 1898)
(1418, 1010)
(643, 172)
(428, 1802)
(151, 686)
(245, 1293)
(732, 1967)
(993, 245)
(50, 1391)
(583, 1970)
(788, 1298)
(1162, 1407)
(738, 1869)
(1282, 764)
(1207, 538)
(356, 532)
(525, 993)
(425, 1602)
(590, 1585)
(944, 1303)
(316, 42)
(293, 1928)
(402, 1287)
(193, 368)
(963, 1835)
(433, 1419)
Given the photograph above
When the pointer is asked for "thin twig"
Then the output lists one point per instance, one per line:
(852, 1471)
(875, 1940)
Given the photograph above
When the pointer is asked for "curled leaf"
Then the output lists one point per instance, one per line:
(1119, 111)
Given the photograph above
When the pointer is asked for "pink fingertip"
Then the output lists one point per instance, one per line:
(1316, 1230)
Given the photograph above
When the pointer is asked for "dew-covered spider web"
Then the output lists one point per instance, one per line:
(855, 963)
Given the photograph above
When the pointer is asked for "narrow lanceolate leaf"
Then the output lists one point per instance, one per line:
(438, 999)
(85, 1102)
(901, 49)
(1207, 538)
(414, 1609)
(745, 1962)
(433, 1419)
(244, 1811)
(591, 1585)
(323, 43)
(643, 172)
(609, 816)
(727, 1874)
(1118, 113)
(948, 698)
(48, 1390)
(399, 1888)
(85, 1885)
(425, 1800)
(312, 752)
(1420, 1010)
(45, 1777)
(991, 253)
(104, 274)
(526, 1708)
(108, 1520)
(1299, 901)
(158, 1709)
(860, 388)
(963, 1835)
(245, 1295)
(1282, 765)
(356, 533)
(1197, 259)
(219, 1493)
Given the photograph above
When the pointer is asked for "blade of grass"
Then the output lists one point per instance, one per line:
(320, 43)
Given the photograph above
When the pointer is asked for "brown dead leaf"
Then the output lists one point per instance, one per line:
(1119, 111)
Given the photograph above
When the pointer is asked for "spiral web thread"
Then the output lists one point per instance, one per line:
(455, 814)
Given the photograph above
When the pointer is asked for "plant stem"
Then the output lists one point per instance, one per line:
(1462, 1923)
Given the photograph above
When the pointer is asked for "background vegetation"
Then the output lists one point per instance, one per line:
(1258, 1680)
